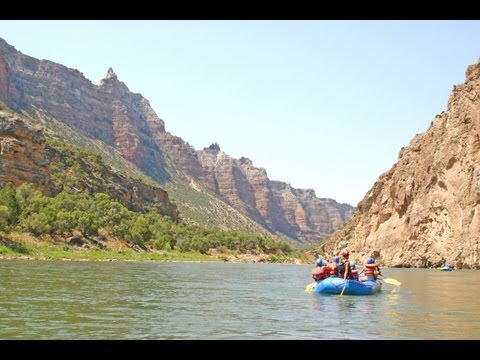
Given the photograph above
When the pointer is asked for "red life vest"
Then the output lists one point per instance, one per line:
(319, 273)
(332, 269)
(371, 270)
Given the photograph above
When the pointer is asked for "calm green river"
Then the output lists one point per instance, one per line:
(153, 300)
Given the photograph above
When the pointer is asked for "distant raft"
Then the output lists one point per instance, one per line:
(446, 268)
(335, 285)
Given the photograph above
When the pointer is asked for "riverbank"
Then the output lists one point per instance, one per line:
(27, 247)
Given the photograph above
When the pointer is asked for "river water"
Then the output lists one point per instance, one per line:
(155, 300)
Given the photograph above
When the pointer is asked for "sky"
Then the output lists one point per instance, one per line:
(323, 105)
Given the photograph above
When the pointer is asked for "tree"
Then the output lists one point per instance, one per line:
(8, 199)
(30, 200)
(4, 216)
(140, 231)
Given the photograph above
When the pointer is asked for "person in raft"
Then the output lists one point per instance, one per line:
(320, 272)
(332, 267)
(336, 259)
(343, 267)
(370, 270)
(354, 271)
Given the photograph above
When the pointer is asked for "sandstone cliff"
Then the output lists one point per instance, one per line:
(22, 154)
(25, 157)
(296, 213)
(110, 112)
(427, 207)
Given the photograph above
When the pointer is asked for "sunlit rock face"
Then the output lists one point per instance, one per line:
(110, 112)
(426, 208)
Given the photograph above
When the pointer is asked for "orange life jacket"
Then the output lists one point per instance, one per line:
(332, 269)
(370, 269)
(319, 273)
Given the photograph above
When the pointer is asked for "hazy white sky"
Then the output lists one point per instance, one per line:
(319, 104)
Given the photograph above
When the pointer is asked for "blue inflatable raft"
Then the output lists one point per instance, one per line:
(334, 285)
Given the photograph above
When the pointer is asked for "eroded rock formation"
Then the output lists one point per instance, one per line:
(427, 207)
(110, 112)
(22, 153)
(26, 158)
(297, 213)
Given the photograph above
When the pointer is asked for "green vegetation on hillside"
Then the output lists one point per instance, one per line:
(26, 209)
(82, 214)
(195, 207)
(66, 137)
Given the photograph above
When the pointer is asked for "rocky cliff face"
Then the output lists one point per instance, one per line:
(296, 213)
(22, 154)
(427, 207)
(26, 158)
(111, 113)
(108, 112)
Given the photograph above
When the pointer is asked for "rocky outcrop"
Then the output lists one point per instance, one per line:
(85, 172)
(296, 213)
(22, 153)
(25, 157)
(108, 112)
(427, 207)
(111, 113)
(4, 81)
(139, 196)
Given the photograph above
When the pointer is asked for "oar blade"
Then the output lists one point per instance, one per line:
(309, 287)
(392, 281)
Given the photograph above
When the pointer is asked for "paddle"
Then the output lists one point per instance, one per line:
(391, 281)
(309, 287)
(344, 286)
